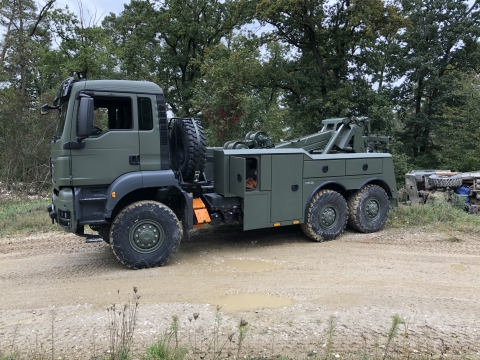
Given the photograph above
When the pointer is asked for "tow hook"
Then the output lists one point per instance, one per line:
(52, 213)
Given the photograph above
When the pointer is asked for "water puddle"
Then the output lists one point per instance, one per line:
(459, 267)
(251, 265)
(244, 301)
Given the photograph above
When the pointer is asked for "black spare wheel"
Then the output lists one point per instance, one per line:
(188, 147)
(444, 181)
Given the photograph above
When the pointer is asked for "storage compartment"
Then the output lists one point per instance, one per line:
(364, 166)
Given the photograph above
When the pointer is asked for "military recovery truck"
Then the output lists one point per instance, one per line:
(142, 182)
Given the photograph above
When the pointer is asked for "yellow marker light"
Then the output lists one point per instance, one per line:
(114, 194)
(295, 222)
(276, 224)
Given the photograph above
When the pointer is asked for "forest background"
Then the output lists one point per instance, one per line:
(411, 66)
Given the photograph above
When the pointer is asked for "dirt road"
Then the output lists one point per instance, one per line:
(286, 287)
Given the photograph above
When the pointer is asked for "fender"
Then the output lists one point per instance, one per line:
(129, 182)
(316, 190)
(378, 180)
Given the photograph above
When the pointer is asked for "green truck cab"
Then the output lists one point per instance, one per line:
(142, 182)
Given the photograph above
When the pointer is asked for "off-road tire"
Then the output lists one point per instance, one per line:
(326, 216)
(368, 209)
(188, 147)
(439, 181)
(145, 234)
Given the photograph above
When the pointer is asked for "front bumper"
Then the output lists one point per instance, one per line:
(62, 210)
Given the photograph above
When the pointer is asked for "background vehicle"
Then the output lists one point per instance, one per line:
(142, 183)
(424, 186)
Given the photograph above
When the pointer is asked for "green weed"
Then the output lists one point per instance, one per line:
(167, 348)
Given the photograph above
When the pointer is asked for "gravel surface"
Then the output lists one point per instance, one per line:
(287, 288)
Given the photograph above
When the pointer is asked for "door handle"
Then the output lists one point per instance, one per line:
(134, 159)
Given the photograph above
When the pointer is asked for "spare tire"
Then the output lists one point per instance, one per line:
(445, 181)
(188, 147)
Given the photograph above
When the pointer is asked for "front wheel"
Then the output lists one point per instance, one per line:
(368, 209)
(145, 234)
(326, 217)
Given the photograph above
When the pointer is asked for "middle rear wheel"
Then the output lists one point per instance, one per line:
(326, 217)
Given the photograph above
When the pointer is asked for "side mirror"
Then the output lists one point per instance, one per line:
(85, 118)
(45, 109)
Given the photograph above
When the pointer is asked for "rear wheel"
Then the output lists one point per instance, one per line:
(368, 209)
(326, 216)
(145, 234)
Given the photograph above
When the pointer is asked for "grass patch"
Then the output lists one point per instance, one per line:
(394, 344)
(20, 216)
(443, 216)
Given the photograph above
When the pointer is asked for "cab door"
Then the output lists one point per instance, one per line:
(113, 148)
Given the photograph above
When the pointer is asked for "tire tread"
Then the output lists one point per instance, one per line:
(307, 225)
(353, 204)
(128, 208)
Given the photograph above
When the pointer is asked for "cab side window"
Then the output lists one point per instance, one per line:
(112, 114)
(145, 116)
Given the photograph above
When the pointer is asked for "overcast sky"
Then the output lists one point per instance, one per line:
(93, 9)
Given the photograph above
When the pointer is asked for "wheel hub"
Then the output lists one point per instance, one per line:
(146, 236)
(372, 209)
(328, 217)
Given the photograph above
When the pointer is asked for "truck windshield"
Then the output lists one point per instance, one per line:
(62, 115)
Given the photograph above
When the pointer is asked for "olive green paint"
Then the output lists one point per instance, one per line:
(149, 140)
(323, 168)
(286, 174)
(265, 172)
(256, 210)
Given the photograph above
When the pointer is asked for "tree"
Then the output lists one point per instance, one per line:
(166, 42)
(457, 138)
(441, 40)
(334, 57)
(83, 48)
(235, 95)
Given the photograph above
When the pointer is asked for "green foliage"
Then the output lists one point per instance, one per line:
(456, 139)
(167, 43)
(441, 215)
(234, 97)
(167, 348)
(440, 40)
(24, 138)
(333, 56)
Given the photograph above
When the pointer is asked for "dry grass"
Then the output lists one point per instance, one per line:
(443, 216)
(24, 216)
